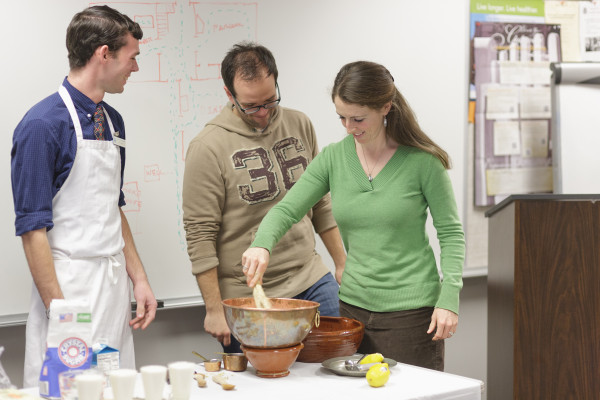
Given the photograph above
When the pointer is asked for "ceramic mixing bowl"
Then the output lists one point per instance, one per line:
(334, 337)
(272, 363)
(286, 324)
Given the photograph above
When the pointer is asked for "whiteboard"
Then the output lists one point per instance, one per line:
(576, 127)
(178, 89)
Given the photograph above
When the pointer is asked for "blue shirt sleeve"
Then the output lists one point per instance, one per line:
(43, 152)
(33, 159)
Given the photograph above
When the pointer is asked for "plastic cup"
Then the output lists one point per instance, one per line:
(66, 383)
(180, 376)
(154, 378)
(122, 382)
(90, 386)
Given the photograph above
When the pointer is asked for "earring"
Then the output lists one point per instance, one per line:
(385, 122)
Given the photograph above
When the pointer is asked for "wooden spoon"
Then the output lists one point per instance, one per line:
(260, 298)
(221, 380)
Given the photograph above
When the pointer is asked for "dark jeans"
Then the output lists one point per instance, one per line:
(324, 291)
(399, 335)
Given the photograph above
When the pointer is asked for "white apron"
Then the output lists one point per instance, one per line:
(87, 247)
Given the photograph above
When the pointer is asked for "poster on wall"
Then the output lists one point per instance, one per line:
(567, 15)
(513, 153)
(520, 11)
(590, 31)
(515, 11)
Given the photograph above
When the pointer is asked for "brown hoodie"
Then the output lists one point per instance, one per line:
(233, 175)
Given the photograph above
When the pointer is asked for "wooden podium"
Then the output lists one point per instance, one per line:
(544, 298)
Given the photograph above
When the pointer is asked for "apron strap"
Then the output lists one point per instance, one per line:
(110, 124)
(113, 266)
(66, 97)
(62, 91)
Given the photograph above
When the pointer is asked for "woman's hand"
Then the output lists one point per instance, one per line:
(445, 321)
(254, 262)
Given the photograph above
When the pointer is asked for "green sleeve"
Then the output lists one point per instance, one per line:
(442, 205)
(306, 192)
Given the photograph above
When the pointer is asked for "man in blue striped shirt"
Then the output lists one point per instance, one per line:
(68, 159)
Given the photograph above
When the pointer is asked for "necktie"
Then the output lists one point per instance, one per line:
(99, 123)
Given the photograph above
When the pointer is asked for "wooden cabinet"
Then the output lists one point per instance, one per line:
(544, 298)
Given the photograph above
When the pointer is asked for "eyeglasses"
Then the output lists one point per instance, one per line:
(266, 106)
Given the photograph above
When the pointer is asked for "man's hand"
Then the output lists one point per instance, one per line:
(216, 325)
(146, 305)
(338, 275)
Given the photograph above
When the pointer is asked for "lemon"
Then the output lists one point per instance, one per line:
(378, 374)
(372, 358)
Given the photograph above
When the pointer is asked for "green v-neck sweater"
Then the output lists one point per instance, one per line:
(390, 265)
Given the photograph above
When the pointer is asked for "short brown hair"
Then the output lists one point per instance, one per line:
(250, 60)
(98, 26)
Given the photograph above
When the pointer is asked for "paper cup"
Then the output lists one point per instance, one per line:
(89, 386)
(66, 383)
(122, 382)
(154, 378)
(180, 376)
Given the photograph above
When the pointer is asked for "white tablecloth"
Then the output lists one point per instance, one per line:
(311, 381)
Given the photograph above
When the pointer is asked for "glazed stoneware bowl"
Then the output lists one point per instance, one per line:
(334, 337)
(286, 324)
(272, 363)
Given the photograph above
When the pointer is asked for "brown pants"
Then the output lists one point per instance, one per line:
(399, 335)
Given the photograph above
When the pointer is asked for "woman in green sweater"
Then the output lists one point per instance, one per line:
(384, 178)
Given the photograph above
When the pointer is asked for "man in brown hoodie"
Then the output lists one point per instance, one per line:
(239, 166)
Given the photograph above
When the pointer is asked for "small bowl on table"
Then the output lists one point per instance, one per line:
(272, 363)
(334, 337)
(212, 365)
(236, 362)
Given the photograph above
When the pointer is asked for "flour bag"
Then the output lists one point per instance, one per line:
(68, 344)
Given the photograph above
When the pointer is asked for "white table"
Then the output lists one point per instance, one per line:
(311, 381)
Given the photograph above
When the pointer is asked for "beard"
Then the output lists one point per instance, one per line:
(250, 121)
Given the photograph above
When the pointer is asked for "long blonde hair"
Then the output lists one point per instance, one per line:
(371, 85)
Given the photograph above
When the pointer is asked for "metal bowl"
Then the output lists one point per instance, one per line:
(286, 324)
(235, 362)
(212, 365)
